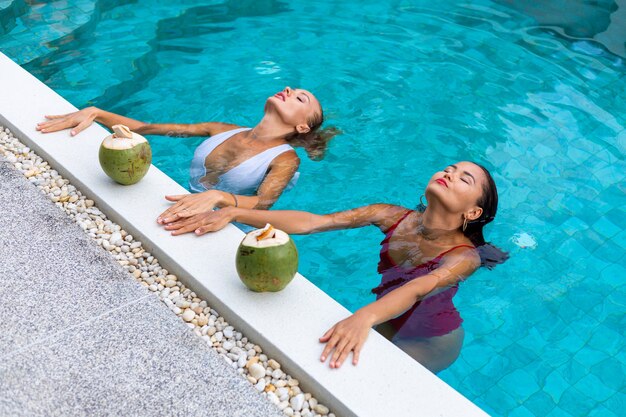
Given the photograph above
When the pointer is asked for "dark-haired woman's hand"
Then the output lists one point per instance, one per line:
(77, 121)
(347, 336)
(201, 223)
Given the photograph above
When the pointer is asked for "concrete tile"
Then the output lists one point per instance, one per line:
(52, 275)
(139, 360)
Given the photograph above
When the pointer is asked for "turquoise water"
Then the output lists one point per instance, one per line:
(535, 92)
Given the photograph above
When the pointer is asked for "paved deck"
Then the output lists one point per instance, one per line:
(80, 337)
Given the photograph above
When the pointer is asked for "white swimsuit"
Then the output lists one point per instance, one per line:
(245, 178)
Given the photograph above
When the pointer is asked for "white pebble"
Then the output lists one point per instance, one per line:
(116, 239)
(228, 332)
(260, 386)
(297, 402)
(273, 398)
(282, 393)
(241, 362)
(273, 364)
(320, 409)
(188, 315)
(256, 371)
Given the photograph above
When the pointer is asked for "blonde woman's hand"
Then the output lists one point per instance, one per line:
(202, 223)
(77, 121)
(188, 205)
(347, 336)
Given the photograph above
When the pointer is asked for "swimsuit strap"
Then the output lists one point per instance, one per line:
(450, 250)
(392, 228)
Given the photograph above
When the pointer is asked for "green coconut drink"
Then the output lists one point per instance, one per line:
(267, 260)
(125, 156)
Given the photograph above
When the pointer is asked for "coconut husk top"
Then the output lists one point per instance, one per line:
(122, 138)
(266, 237)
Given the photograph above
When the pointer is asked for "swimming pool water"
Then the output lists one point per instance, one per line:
(533, 90)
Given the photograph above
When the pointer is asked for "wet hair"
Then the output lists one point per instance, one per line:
(315, 141)
(490, 255)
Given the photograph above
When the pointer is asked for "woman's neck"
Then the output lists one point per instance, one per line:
(436, 223)
(269, 129)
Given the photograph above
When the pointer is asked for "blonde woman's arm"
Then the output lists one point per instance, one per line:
(82, 119)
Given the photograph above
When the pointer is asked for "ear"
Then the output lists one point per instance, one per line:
(303, 128)
(474, 213)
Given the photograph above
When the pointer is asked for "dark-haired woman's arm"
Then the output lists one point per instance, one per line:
(291, 221)
(350, 334)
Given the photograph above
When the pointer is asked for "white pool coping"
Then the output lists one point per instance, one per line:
(286, 324)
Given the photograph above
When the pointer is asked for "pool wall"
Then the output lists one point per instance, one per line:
(286, 324)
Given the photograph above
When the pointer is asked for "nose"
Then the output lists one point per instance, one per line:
(288, 90)
(448, 176)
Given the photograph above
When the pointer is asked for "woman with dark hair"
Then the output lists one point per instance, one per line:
(425, 255)
(236, 166)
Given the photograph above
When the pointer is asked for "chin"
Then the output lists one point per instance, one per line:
(270, 104)
(434, 191)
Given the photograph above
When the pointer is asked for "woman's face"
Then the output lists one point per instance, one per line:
(458, 187)
(295, 107)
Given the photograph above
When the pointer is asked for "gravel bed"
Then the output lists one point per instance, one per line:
(264, 373)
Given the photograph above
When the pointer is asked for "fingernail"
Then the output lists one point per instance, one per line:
(73, 132)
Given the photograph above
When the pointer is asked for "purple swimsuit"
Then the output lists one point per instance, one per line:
(432, 316)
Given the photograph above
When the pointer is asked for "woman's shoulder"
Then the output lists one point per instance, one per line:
(391, 215)
(287, 158)
(465, 253)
